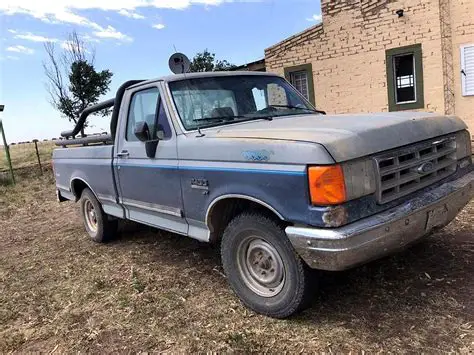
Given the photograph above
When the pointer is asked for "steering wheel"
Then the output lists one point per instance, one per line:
(268, 109)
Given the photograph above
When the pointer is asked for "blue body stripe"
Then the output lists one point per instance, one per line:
(281, 172)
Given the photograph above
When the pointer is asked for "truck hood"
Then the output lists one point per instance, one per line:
(348, 136)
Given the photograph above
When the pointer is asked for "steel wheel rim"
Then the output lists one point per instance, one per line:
(261, 266)
(90, 215)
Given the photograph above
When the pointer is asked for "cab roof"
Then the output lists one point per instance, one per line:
(178, 77)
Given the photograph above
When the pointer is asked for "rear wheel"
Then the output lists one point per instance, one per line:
(97, 223)
(262, 267)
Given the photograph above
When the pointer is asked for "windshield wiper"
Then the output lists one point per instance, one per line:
(236, 118)
(219, 118)
(298, 108)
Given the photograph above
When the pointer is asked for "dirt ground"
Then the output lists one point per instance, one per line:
(156, 291)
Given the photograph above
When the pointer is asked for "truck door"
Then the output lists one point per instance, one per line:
(149, 188)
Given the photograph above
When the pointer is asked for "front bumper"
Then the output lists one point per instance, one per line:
(386, 232)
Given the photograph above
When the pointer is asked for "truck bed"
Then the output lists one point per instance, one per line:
(92, 165)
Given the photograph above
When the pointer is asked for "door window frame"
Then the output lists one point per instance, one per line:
(161, 102)
(132, 96)
(390, 55)
(120, 141)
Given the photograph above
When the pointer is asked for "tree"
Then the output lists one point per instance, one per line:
(206, 61)
(73, 82)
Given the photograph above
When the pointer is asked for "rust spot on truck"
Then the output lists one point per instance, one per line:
(335, 217)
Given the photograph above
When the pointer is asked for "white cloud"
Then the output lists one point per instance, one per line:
(315, 18)
(12, 57)
(131, 14)
(28, 36)
(159, 26)
(69, 11)
(111, 32)
(20, 49)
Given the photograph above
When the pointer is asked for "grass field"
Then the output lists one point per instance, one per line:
(24, 155)
(156, 291)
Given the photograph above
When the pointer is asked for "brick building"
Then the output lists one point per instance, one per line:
(384, 55)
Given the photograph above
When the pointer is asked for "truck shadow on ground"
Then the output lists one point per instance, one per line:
(387, 295)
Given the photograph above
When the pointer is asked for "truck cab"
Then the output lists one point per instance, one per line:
(244, 160)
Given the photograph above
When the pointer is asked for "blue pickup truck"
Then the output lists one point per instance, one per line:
(244, 160)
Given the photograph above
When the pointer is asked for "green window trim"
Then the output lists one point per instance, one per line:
(309, 69)
(420, 98)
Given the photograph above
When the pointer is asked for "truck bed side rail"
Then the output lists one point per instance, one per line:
(95, 139)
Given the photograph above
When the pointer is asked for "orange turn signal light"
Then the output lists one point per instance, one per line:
(326, 185)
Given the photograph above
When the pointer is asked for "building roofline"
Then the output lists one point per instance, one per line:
(259, 61)
(295, 36)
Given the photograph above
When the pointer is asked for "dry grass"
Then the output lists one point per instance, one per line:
(24, 155)
(156, 291)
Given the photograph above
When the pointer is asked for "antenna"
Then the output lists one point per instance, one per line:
(179, 63)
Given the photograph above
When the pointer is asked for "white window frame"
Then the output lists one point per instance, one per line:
(465, 92)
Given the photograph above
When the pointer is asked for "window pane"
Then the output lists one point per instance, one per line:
(142, 108)
(300, 81)
(405, 87)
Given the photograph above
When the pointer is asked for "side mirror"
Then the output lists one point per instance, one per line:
(152, 144)
(150, 148)
(142, 132)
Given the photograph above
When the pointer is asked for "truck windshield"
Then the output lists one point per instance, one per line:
(218, 100)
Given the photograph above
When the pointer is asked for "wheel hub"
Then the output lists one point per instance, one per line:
(90, 215)
(261, 267)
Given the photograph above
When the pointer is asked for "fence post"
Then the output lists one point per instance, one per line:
(7, 150)
(38, 155)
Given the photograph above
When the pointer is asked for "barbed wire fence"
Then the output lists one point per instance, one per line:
(21, 159)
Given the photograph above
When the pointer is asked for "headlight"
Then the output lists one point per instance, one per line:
(463, 145)
(336, 184)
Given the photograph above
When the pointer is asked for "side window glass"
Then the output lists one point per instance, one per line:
(142, 108)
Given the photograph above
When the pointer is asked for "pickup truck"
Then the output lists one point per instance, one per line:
(244, 160)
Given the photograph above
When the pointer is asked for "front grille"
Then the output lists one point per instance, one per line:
(403, 171)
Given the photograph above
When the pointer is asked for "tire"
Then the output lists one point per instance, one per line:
(98, 225)
(262, 267)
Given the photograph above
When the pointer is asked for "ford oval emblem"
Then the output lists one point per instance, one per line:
(426, 168)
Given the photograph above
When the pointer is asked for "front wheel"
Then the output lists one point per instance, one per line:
(97, 223)
(262, 267)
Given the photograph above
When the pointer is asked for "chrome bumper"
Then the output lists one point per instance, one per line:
(381, 234)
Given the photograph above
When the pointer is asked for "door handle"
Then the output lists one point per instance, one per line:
(123, 154)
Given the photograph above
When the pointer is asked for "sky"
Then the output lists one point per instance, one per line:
(132, 38)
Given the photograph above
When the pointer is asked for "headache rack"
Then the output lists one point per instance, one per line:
(403, 171)
(69, 136)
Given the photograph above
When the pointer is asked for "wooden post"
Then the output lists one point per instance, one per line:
(38, 155)
(7, 150)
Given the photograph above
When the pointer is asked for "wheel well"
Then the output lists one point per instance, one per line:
(77, 187)
(223, 211)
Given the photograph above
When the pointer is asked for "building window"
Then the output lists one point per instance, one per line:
(301, 77)
(467, 70)
(405, 78)
(299, 80)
